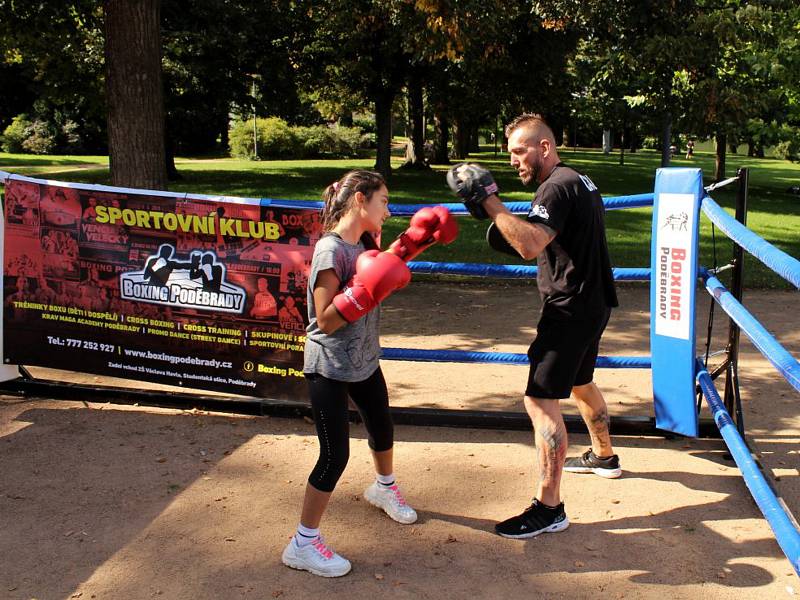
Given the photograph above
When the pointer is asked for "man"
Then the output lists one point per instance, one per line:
(565, 232)
(264, 304)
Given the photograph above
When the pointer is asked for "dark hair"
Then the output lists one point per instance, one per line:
(533, 120)
(338, 198)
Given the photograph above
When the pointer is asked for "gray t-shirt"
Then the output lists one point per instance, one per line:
(351, 352)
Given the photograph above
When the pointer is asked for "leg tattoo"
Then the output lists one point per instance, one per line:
(551, 454)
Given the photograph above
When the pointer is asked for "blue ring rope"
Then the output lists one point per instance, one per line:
(503, 358)
(457, 208)
(781, 263)
(786, 364)
(781, 523)
(510, 271)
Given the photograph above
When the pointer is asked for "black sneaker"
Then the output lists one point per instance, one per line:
(589, 462)
(536, 519)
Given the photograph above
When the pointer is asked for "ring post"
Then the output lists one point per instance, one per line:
(674, 250)
(732, 399)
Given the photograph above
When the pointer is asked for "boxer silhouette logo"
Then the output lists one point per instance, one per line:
(198, 282)
(677, 222)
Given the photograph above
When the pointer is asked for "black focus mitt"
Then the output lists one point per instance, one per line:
(473, 184)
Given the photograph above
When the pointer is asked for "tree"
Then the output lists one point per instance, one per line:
(741, 51)
(223, 57)
(506, 56)
(134, 93)
(51, 69)
(644, 43)
(357, 48)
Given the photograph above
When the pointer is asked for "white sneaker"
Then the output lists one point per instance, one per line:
(317, 558)
(391, 501)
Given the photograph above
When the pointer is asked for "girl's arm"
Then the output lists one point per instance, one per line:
(326, 287)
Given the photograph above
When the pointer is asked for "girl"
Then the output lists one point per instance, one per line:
(341, 360)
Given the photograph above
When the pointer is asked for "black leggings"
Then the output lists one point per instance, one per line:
(329, 403)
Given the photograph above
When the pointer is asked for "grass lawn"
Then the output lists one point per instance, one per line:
(773, 213)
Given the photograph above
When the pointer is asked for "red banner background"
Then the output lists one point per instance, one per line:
(201, 292)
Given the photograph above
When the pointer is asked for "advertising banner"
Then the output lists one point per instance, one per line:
(190, 290)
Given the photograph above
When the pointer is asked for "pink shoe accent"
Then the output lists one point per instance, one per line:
(322, 548)
(398, 495)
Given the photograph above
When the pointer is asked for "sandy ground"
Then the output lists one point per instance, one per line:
(106, 501)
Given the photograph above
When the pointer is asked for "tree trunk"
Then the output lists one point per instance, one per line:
(622, 141)
(630, 134)
(169, 154)
(462, 139)
(223, 131)
(666, 140)
(383, 124)
(721, 141)
(442, 126)
(415, 151)
(134, 93)
(474, 139)
(607, 146)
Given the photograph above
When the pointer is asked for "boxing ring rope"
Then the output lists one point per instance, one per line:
(786, 364)
(780, 519)
(777, 515)
(502, 358)
(457, 208)
(511, 272)
(781, 263)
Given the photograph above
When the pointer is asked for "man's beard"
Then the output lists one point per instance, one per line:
(534, 170)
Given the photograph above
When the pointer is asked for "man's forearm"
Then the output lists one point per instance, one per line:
(526, 238)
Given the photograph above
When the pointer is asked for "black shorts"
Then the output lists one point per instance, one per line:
(563, 355)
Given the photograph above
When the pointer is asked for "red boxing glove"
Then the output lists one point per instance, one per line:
(378, 274)
(428, 226)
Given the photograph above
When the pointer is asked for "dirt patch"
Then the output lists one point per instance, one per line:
(107, 501)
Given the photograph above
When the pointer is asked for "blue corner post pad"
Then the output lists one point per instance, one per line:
(674, 256)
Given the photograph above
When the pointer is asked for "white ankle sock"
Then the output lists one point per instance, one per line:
(385, 480)
(305, 535)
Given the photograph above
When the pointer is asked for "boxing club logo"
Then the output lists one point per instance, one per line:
(677, 221)
(197, 283)
(539, 211)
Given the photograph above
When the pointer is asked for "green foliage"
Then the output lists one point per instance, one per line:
(651, 142)
(34, 137)
(15, 134)
(42, 136)
(365, 123)
(274, 136)
(731, 67)
(788, 150)
(277, 139)
(40, 139)
(320, 141)
(53, 55)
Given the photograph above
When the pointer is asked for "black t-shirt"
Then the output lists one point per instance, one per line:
(575, 278)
